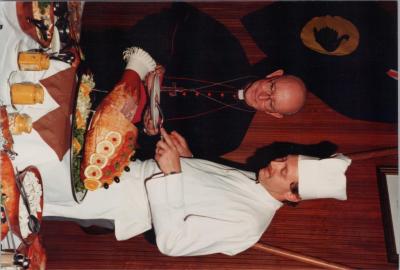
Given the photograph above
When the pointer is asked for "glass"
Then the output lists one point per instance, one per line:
(26, 93)
(33, 61)
(19, 123)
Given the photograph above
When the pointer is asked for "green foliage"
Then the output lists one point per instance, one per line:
(43, 5)
(79, 134)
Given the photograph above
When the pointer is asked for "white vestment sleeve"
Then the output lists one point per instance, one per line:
(186, 234)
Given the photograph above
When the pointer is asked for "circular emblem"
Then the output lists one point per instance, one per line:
(331, 35)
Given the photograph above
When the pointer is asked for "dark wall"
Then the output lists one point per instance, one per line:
(349, 232)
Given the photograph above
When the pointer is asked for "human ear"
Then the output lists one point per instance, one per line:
(275, 114)
(276, 73)
(289, 196)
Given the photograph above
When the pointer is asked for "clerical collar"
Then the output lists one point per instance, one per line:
(240, 94)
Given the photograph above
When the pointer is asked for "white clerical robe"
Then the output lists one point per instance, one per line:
(208, 208)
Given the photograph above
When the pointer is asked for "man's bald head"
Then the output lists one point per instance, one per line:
(277, 95)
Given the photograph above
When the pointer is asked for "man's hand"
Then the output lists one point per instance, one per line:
(167, 155)
(149, 127)
(181, 144)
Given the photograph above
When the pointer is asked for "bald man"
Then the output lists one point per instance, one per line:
(200, 99)
(220, 127)
(218, 124)
(277, 95)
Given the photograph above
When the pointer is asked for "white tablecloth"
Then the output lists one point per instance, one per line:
(31, 148)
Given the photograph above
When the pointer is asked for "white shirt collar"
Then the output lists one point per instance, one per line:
(268, 198)
(240, 94)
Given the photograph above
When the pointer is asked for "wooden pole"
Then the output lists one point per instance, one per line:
(373, 153)
(300, 257)
(316, 261)
(6, 259)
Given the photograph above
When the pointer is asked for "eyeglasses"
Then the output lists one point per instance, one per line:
(269, 104)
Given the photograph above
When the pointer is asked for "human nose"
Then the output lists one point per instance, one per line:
(264, 96)
(265, 92)
(277, 165)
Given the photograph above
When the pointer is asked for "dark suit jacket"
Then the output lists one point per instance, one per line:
(190, 45)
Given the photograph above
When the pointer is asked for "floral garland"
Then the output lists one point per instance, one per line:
(83, 110)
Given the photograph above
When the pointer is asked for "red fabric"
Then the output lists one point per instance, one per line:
(133, 81)
(392, 73)
(55, 126)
